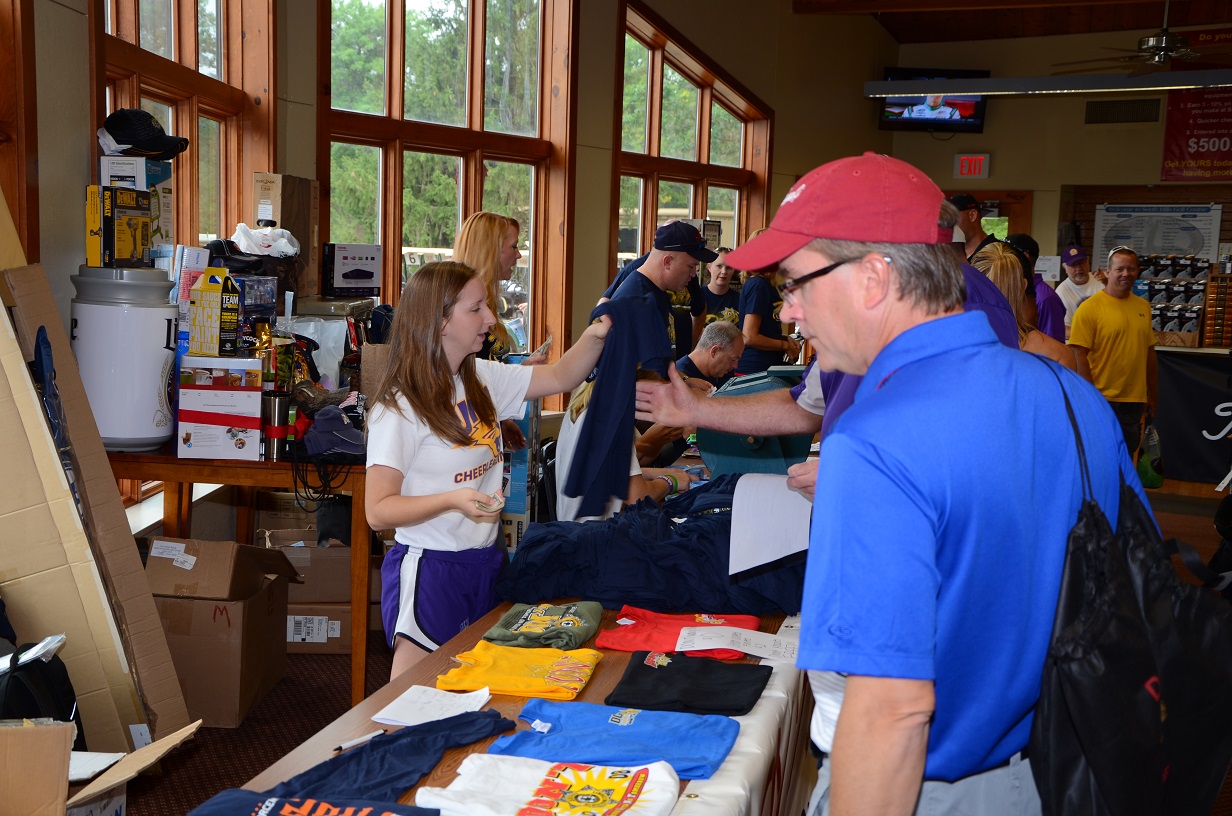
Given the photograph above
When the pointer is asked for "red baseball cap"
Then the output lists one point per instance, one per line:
(870, 198)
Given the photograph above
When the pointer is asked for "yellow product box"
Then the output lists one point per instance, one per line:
(117, 226)
(214, 316)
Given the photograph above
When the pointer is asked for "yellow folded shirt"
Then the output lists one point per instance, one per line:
(520, 672)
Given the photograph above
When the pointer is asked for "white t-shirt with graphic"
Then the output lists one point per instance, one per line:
(430, 465)
(489, 785)
(1072, 295)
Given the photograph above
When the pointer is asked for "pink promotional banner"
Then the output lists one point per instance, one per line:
(1198, 127)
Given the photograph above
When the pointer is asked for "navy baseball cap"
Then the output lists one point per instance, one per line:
(135, 132)
(1024, 243)
(678, 236)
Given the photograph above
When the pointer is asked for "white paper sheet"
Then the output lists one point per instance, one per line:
(769, 521)
(421, 704)
(85, 765)
(782, 646)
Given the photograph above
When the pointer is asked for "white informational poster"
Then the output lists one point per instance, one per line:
(1157, 229)
(1048, 267)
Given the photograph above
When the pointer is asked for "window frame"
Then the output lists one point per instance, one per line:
(550, 153)
(19, 151)
(668, 46)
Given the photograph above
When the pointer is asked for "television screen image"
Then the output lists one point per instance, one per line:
(955, 113)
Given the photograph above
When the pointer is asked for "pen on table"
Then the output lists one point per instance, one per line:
(359, 740)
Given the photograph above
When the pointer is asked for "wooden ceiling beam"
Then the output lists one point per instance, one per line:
(881, 6)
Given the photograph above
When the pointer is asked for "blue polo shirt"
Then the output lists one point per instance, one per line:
(939, 530)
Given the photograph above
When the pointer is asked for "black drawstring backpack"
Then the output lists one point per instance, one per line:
(1135, 709)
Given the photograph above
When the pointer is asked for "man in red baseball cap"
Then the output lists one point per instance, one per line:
(926, 678)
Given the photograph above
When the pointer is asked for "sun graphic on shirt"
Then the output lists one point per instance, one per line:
(600, 791)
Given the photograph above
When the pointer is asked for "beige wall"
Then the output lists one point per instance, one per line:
(1037, 143)
(65, 140)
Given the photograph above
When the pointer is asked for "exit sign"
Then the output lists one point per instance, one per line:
(971, 165)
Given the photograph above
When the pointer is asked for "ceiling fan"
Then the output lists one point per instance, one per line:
(1155, 52)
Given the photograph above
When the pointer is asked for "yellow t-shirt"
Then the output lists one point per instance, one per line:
(1117, 335)
(520, 672)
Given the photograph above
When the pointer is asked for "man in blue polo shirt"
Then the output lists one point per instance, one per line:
(926, 482)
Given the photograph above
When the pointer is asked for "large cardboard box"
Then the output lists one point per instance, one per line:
(295, 204)
(71, 572)
(319, 629)
(326, 571)
(227, 639)
(277, 510)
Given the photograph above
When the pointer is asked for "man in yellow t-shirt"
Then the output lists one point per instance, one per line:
(1115, 345)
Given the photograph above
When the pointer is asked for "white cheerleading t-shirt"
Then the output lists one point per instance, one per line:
(430, 465)
(490, 785)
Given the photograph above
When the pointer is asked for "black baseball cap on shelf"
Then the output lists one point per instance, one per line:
(137, 133)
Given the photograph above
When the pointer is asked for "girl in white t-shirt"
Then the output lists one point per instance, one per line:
(435, 455)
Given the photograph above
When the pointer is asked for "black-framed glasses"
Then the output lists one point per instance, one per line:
(788, 288)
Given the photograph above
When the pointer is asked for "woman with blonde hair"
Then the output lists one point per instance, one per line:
(488, 244)
(999, 263)
(435, 458)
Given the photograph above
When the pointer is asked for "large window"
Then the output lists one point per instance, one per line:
(436, 109)
(203, 68)
(694, 142)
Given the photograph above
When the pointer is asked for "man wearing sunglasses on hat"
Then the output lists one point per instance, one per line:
(1113, 340)
(927, 677)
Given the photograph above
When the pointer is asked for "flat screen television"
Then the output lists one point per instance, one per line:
(960, 113)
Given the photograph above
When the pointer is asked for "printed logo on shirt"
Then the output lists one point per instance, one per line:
(777, 312)
(728, 314)
(624, 716)
(657, 660)
(568, 673)
(713, 620)
(537, 620)
(482, 434)
(587, 790)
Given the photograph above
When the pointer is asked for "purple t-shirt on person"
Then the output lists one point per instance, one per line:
(839, 389)
(1051, 310)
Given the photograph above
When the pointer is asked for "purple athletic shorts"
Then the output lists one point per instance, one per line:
(445, 592)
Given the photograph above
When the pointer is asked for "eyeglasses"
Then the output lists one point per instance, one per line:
(788, 288)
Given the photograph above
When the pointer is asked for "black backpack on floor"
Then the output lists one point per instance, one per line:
(39, 689)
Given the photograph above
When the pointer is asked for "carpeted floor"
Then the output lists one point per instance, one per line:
(315, 692)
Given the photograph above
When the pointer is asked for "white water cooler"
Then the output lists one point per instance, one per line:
(123, 333)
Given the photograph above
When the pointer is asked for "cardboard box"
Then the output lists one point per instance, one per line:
(214, 316)
(351, 270)
(319, 629)
(375, 624)
(228, 641)
(294, 204)
(145, 174)
(117, 226)
(219, 408)
(280, 511)
(77, 573)
(326, 570)
(107, 794)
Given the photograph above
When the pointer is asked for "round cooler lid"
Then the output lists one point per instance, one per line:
(147, 286)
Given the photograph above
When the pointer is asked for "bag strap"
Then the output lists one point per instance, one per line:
(1088, 492)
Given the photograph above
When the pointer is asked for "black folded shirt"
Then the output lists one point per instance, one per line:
(671, 681)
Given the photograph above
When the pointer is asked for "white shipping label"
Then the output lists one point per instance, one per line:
(307, 628)
(166, 549)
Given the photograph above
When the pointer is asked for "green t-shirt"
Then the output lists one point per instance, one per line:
(560, 627)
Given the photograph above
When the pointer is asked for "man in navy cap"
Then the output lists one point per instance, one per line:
(679, 250)
(969, 214)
